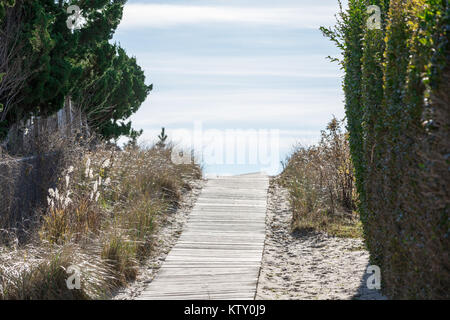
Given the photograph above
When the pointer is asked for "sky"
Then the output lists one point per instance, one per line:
(241, 82)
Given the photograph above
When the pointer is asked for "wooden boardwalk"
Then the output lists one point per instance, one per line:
(219, 253)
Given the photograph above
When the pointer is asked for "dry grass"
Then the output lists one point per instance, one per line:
(343, 226)
(7, 169)
(320, 183)
(39, 272)
(102, 214)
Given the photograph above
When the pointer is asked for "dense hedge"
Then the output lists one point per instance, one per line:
(397, 105)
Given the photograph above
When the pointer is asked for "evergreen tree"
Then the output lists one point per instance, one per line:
(60, 62)
(162, 139)
(111, 88)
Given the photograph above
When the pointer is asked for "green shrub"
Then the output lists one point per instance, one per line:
(399, 139)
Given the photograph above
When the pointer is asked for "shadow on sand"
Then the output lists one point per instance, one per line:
(364, 293)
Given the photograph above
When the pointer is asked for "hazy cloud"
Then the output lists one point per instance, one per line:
(161, 16)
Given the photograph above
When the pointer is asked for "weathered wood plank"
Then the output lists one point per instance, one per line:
(218, 255)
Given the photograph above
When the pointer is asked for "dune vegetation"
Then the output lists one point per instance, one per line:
(101, 216)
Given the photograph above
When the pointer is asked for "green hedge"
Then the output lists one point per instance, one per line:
(398, 111)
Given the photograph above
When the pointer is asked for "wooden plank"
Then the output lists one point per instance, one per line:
(218, 255)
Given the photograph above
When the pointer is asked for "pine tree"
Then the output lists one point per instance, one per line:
(111, 88)
(60, 62)
(162, 139)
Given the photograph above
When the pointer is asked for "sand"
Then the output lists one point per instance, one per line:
(310, 265)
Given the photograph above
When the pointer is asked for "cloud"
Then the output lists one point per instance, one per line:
(220, 89)
(256, 108)
(299, 66)
(163, 16)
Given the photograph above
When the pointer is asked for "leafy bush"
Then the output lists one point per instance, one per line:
(400, 145)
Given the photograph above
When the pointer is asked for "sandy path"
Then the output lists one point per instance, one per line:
(309, 266)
